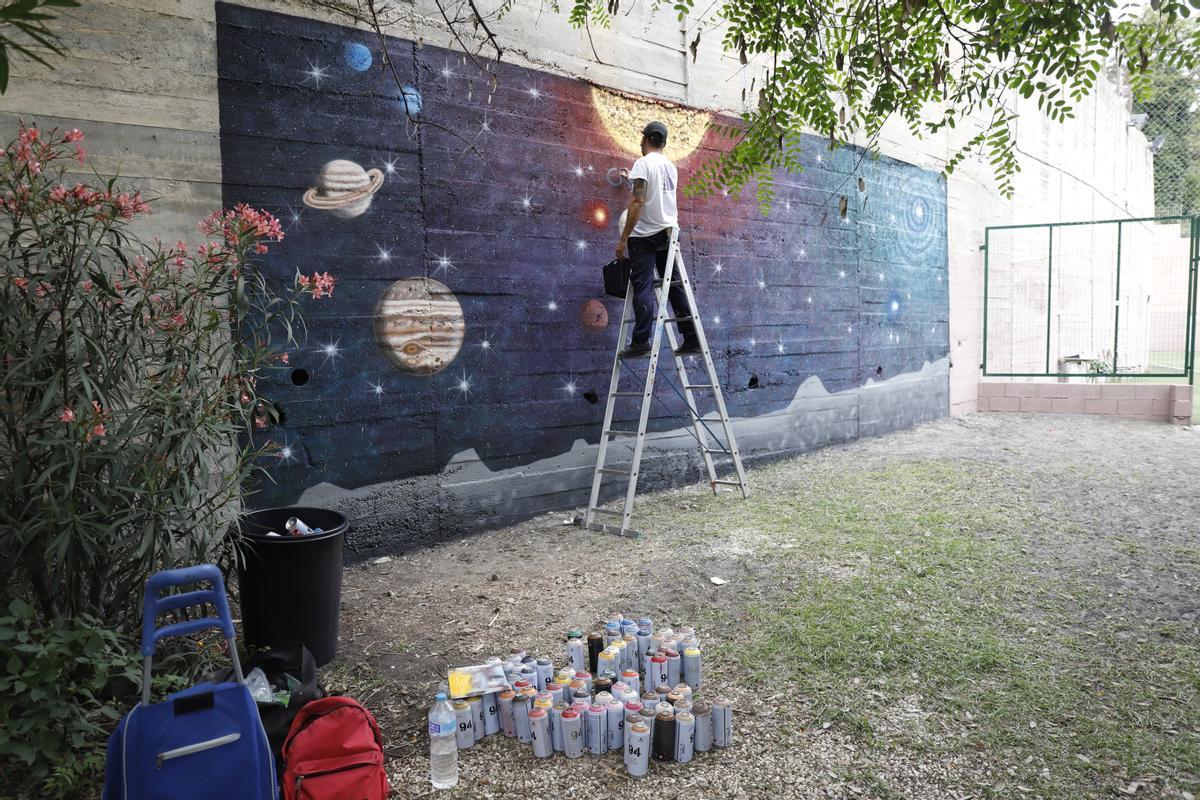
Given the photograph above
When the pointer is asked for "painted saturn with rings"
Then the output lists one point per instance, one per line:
(344, 189)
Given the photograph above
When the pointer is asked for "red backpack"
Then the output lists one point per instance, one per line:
(334, 751)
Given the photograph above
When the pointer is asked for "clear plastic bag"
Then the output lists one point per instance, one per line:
(259, 686)
(476, 680)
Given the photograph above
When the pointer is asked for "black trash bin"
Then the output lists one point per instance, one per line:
(291, 586)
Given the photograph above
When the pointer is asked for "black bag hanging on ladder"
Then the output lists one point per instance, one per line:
(616, 278)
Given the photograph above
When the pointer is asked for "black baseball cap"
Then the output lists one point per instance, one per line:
(656, 129)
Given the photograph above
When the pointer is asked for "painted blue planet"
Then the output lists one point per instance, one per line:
(411, 99)
(357, 56)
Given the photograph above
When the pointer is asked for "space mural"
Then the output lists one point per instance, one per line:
(456, 378)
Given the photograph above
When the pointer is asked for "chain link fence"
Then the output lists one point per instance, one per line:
(1107, 300)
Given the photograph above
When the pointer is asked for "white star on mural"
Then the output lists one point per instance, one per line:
(444, 265)
(315, 73)
(463, 385)
(331, 350)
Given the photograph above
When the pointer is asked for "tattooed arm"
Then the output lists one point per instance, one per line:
(636, 201)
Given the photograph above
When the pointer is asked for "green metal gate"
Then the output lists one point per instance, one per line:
(1111, 298)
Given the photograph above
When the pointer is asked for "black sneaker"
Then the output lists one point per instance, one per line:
(688, 347)
(635, 351)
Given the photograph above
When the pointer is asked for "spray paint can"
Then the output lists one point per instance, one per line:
(685, 732)
(616, 724)
(556, 734)
(664, 734)
(637, 750)
(555, 690)
(597, 730)
(662, 692)
(296, 527)
(595, 643)
(464, 716)
(683, 705)
(691, 667)
(684, 690)
(619, 688)
(722, 722)
(602, 685)
(674, 696)
(544, 701)
(659, 672)
(631, 679)
(521, 711)
(643, 645)
(630, 651)
(574, 633)
(572, 727)
(628, 625)
(539, 730)
(545, 673)
(674, 668)
(577, 654)
(491, 714)
(612, 632)
(507, 723)
(580, 696)
(646, 624)
(478, 717)
(529, 674)
(586, 677)
(606, 665)
(516, 655)
(704, 729)
(520, 685)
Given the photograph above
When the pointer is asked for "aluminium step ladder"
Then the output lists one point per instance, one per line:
(710, 444)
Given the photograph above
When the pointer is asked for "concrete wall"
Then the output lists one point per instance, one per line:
(472, 336)
(143, 83)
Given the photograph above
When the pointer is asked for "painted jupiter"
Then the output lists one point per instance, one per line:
(419, 325)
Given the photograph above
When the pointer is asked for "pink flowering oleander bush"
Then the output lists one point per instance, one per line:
(129, 377)
(128, 410)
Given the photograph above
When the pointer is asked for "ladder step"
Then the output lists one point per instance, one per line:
(717, 451)
(608, 511)
(618, 432)
(611, 471)
(728, 483)
(627, 394)
(697, 386)
(679, 319)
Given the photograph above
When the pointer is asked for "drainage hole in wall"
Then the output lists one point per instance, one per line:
(878, 371)
(591, 397)
(299, 377)
(753, 384)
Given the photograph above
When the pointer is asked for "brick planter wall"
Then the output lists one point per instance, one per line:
(1149, 401)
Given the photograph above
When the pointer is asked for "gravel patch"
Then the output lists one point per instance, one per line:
(1127, 495)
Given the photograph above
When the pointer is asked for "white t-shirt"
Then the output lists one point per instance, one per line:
(660, 210)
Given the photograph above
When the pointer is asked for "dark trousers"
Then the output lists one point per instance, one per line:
(646, 254)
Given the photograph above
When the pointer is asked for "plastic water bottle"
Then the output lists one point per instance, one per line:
(443, 748)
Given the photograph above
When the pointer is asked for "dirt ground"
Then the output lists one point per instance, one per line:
(1090, 530)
